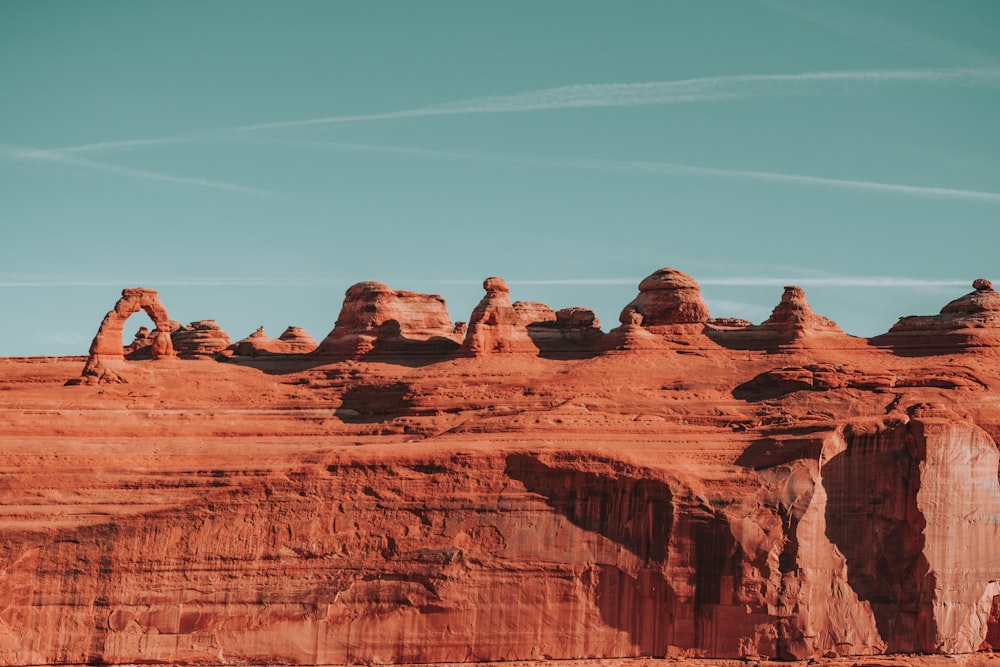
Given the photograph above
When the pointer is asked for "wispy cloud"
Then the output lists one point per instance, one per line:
(684, 91)
(156, 283)
(836, 281)
(578, 96)
(661, 168)
(801, 179)
(66, 157)
(887, 282)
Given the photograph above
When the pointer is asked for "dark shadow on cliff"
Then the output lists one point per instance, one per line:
(873, 519)
(912, 344)
(372, 403)
(638, 515)
(750, 338)
(555, 342)
(387, 345)
(761, 388)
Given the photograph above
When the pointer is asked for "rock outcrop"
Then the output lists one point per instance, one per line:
(668, 313)
(495, 326)
(107, 347)
(377, 319)
(683, 495)
(294, 340)
(297, 340)
(199, 340)
(970, 323)
(792, 325)
(571, 332)
(667, 296)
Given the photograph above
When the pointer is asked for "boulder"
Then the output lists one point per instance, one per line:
(667, 296)
(495, 326)
(200, 340)
(792, 325)
(969, 323)
(298, 340)
(377, 318)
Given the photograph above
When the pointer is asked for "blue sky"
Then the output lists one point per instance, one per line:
(251, 160)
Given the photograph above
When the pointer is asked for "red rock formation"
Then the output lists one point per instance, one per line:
(667, 296)
(578, 507)
(495, 326)
(294, 340)
(667, 313)
(377, 318)
(107, 344)
(570, 332)
(969, 323)
(107, 348)
(533, 312)
(199, 340)
(298, 340)
(792, 325)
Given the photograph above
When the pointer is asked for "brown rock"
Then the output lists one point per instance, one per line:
(792, 325)
(375, 317)
(297, 340)
(107, 343)
(107, 348)
(569, 333)
(584, 509)
(200, 340)
(533, 312)
(495, 326)
(667, 296)
(969, 323)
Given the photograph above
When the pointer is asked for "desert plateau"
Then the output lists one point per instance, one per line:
(523, 488)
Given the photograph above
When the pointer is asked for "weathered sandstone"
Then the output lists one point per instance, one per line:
(970, 323)
(199, 340)
(495, 326)
(376, 318)
(596, 496)
(792, 325)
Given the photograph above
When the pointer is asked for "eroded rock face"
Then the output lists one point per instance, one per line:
(782, 501)
(495, 326)
(200, 340)
(667, 296)
(107, 343)
(107, 348)
(294, 340)
(969, 323)
(376, 318)
(792, 325)
(298, 340)
(570, 332)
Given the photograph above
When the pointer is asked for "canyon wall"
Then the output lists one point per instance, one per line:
(678, 486)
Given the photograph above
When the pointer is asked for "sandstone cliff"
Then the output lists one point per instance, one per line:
(681, 486)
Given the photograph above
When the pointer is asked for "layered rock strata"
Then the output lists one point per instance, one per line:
(969, 323)
(633, 502)
(495, 326)
(792, 325)
(376, 318)
(200, 340)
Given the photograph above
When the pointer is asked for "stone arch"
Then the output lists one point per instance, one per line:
(107, 343)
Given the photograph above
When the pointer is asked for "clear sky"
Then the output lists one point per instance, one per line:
(251, 160)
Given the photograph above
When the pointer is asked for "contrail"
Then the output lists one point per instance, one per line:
(780, 177)
(589, 95)
(685, 91)
(662, 168)
(839, 281)
(736, 281)
(59, 156)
